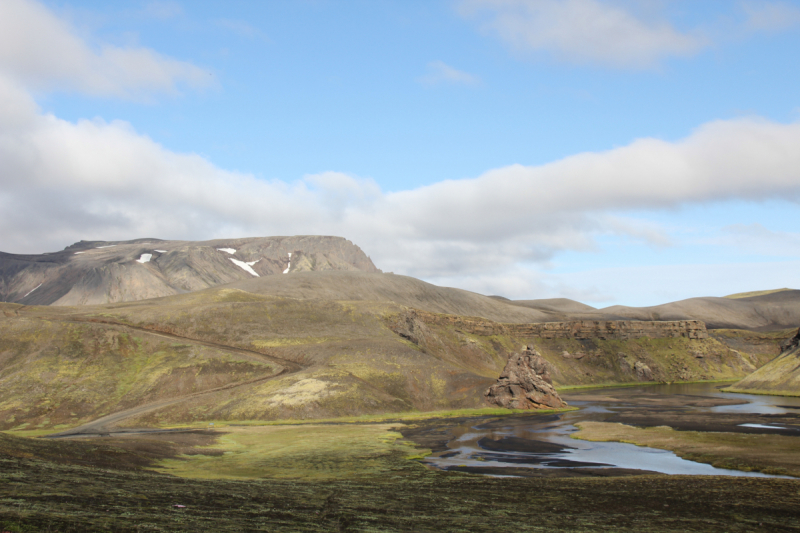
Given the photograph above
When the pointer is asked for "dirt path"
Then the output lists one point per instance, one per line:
(291, 366)
(102, 426)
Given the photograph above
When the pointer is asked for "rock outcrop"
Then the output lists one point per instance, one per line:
(575, 329)
(525, 384)
(791, 343)
(612, 329)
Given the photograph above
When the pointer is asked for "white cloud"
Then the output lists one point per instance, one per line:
(440, 72)
(42, 52)
(755, 238)
(64, 181)
(582, 31)
(770, 16)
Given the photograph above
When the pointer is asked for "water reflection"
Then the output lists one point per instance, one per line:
(544, 442)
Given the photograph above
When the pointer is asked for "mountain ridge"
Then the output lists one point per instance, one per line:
(97, 272)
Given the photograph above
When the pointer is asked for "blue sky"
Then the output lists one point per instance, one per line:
(625, 151)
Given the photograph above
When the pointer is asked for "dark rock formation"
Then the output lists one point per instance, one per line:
(525, 384)
(792, 343)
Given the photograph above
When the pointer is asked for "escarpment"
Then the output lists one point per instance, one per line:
(575, 329)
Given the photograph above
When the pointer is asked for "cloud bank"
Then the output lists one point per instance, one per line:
(42, 52)
(582, 31)
(63, 181)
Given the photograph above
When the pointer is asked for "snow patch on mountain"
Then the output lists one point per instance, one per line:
(33, 289)
(246, 266)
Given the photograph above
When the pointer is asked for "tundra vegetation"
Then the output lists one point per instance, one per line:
(309, 400)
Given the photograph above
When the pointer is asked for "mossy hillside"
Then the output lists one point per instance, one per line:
(352, 358)
(781, 377)
(56, 373)
(355, 363)
(274, 326)
(600, 362)
(394, 379)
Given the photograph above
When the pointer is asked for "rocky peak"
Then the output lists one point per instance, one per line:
(525, 384)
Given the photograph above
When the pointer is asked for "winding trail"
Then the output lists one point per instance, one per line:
(102, 426)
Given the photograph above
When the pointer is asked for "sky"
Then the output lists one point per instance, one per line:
(610, 151)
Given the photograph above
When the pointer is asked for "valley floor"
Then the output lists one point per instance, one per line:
(344, 477)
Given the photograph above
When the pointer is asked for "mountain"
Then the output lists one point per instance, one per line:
(765, 312)
(331, 268)
(97, 272)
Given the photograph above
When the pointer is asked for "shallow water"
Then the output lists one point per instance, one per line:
(543, 441)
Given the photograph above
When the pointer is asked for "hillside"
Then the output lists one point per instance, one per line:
(391, 288)
(767, 312)
(230, 354)
(97, 272)
(780, 376)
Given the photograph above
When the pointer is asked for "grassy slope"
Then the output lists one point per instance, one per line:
(753, 293)
(614, 361)
(55, 373)
(354, 358)
(781, 376)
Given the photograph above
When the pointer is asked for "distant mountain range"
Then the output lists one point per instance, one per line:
(99, 272)
(330, 268)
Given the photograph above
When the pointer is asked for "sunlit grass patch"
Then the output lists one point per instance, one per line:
(299, 452)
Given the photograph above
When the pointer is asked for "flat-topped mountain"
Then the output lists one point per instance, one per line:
(98, 272)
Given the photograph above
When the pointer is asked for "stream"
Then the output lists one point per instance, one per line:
(543, 441)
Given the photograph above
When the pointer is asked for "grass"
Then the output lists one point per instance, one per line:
(770, 454)
(764, 392)
(55, 495)
(754, 293)
(408, 416)
(311, 452)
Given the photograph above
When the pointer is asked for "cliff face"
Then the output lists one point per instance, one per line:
(577, 329)
(90, 273)
(601, 352)
(612, 329)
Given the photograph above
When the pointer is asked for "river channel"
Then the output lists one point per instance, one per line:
(511, 445)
